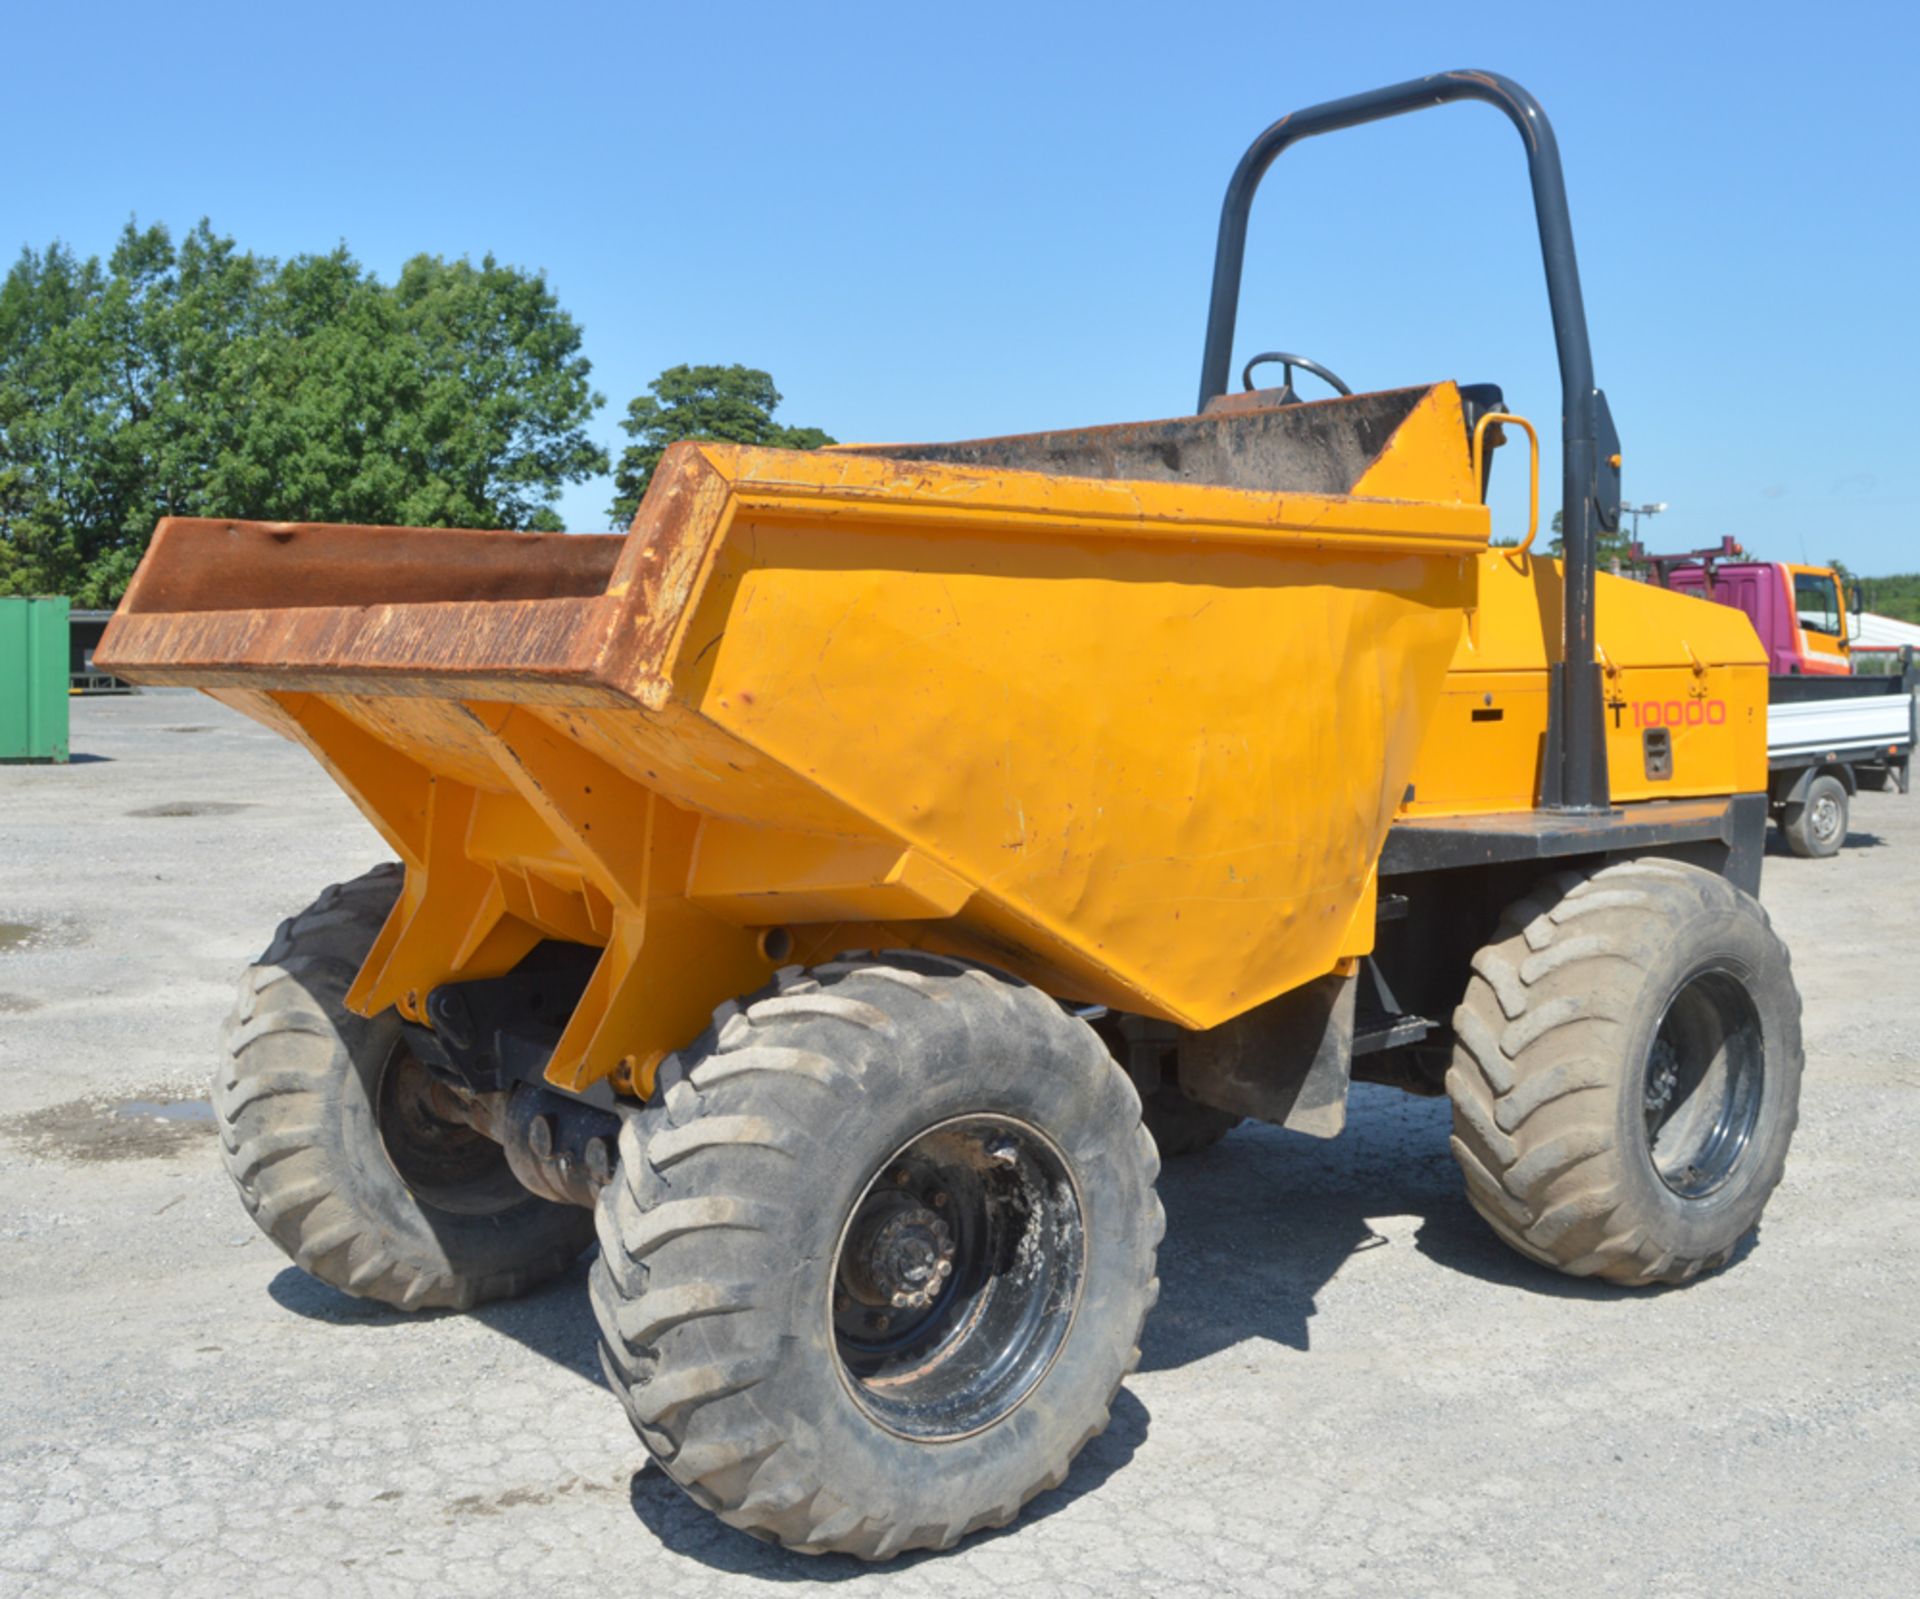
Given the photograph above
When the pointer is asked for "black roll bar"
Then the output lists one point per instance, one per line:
(1576, 768)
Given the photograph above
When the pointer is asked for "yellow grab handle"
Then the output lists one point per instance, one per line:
(1533, 483)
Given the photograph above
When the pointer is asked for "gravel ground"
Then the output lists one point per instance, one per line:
(1349, 1386)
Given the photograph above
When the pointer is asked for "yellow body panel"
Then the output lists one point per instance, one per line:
(1669, 661)
(1139, 742)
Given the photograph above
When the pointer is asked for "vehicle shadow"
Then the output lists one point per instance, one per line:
(1260, 1223)
(555, 1322)
(552, 1321)
(1256, 1227)
(1777, 845)
(697, 1534)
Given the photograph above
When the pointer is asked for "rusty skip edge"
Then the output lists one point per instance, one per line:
(536, 649)
(561, 618)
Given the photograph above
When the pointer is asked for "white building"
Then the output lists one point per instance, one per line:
(1881, 635)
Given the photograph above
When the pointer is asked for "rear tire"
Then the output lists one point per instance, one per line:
(1626, 1072)
(1816, 827)
(855, 1123)
(321, 1111)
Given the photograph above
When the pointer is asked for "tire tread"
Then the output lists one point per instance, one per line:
(1534, 1036)
(682, 1354)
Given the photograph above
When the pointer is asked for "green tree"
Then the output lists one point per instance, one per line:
(455, 398)
(203, 380)
(53, 383)
(1610, 549)
(1897, 596)
(732, 403)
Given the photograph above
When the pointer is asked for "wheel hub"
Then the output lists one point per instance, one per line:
(957, 1276)
(901, 1256)
(433, 1147)
(1704, 1085)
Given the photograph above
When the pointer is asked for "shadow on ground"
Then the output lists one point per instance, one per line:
(1256, 1226)
(1777, 845)
(696, 1534)
(553, 1321)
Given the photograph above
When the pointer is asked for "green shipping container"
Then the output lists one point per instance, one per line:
(33, 680)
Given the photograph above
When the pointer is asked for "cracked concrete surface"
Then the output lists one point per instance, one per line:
(1349, 1387)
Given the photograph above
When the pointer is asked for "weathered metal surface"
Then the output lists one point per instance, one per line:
(1285, 1061)
(206, 564)
(1438, 843)
(514, 647)
(1316, 449)
(420, 611)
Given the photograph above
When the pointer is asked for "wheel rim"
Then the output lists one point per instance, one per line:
(1824, 818)
(956, 1277)
(444, 1162)
(1703, 1083)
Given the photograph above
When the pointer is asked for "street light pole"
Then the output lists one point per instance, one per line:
(1638, 511)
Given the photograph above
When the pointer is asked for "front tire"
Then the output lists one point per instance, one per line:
(878, 1255)
(328, 1129)
(1626, 1072)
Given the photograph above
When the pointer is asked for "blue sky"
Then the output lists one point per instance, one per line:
(948, 221)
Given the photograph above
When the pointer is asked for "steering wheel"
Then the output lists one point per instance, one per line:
(1289, 362)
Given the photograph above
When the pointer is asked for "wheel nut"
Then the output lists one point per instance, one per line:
(939, 1201)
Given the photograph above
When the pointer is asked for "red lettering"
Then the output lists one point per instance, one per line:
(1678, 713)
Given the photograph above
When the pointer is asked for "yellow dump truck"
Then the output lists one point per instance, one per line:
(814, 887)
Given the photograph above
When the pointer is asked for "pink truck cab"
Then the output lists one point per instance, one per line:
(1800, 612)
